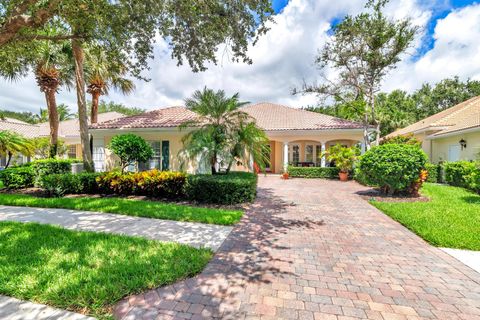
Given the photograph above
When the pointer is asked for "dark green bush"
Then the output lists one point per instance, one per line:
(64, 183)
(361, 178)
(463, 174)
(313, 172)
(46, 167)
(17, 177)
(393, 167)
(433, 172)
(232, 188)
(155, 183)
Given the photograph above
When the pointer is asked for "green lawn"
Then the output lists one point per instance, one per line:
(451, 219)
(84, 271)
(129, 207)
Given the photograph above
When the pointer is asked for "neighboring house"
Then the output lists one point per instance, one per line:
(25, 129)
(68, 131)
(450, 135)
(296, 136)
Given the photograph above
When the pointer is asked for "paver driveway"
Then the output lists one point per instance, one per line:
(314, 249)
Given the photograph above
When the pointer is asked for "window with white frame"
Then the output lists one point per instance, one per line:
(72, 151)
(318, 153)
(294, 153)
(98, 157)
(309, 153)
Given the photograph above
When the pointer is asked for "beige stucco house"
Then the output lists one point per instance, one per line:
(296, 136)
(450, 135)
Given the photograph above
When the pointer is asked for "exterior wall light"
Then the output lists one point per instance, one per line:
(463, 144)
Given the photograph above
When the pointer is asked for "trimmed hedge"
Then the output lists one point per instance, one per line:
(393, 167)
(46, 167)
(17, 177)
(232, 188)
(433, 172)
(463, 174)
(60, 184)
(162, 184)
(313, 172)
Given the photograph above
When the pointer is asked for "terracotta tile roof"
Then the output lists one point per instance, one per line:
(25, 129)
(71, 128)
(272, 117)
(160, 118)
(269, 116)
(462, 116)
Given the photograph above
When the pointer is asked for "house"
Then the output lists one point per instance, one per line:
(296, 136)
(68, 131)
(450, 135)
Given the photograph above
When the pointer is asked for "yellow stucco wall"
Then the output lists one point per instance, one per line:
(440, 147)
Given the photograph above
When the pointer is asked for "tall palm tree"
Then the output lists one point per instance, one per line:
(12, 143)
(64, 113)
(51, 71)
(103, 72)
(218, 118)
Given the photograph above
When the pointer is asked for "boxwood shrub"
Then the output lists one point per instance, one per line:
(463, 174)
(232, 188)
(162, 184)
(17, 177)
(313, 172)
(393, 167)
(64, 183)
(433, 172)
(46, 167)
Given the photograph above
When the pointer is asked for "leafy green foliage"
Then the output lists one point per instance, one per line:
(155, 183)
(47, 167)
(130, 148)
(393, 167)
(88, 271)
(42, 146)
(129, 207)
(17, 177)
(25, 116)
(463, 174)
(343, 157)
(222, 131)
(111, 106)
(407, 139)
(64, 113)
(433, 171)
(450, 219)
(12, 143)
(233, 188)
(314, 172)
(68, 183)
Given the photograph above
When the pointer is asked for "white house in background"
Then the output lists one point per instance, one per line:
(296, 136)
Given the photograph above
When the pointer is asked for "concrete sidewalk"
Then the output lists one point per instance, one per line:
(193, 234)
(14, 309)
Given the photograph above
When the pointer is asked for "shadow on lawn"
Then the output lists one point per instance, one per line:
(244, 260)
(471, 199)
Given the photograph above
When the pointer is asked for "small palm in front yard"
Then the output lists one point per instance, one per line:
(451, 219)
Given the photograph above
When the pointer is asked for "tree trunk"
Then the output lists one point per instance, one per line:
(366, 138)
(213, 162)
(94, 111)
(53, 122)
(377, 130)
(78, 55)
(9, 157)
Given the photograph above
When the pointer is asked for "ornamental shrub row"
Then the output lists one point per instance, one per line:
(433, 170)
(235, 187)
(463, 174)
(163, 184)
(64, 183)
(17, 177)
(46, 167)
(313, 172)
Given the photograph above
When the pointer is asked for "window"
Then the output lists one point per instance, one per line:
(72, 151)
(294, 153)
(155, 162)
(309, 153)
(99, 158)
(160, 159)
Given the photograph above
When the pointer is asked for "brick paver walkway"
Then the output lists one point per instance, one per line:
(313, 249)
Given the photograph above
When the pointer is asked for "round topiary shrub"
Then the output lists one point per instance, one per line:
(393, 167)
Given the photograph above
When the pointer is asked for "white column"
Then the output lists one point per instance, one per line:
(285, 156)
(323, 162)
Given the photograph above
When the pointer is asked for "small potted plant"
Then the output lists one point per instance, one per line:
(344, 158)
(285, 175)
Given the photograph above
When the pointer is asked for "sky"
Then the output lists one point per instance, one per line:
(448, 45)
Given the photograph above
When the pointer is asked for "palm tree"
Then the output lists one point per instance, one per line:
(103, 72)
(51, 71)
(216, 127)
(63, 111)
(12, 143)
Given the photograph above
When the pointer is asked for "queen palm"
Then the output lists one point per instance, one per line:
(216, 129)
(52, 70)
(103, 72)
(12, 143)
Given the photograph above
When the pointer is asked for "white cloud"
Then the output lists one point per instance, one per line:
(285, 56)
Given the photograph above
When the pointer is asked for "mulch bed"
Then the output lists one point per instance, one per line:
(376, 195)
